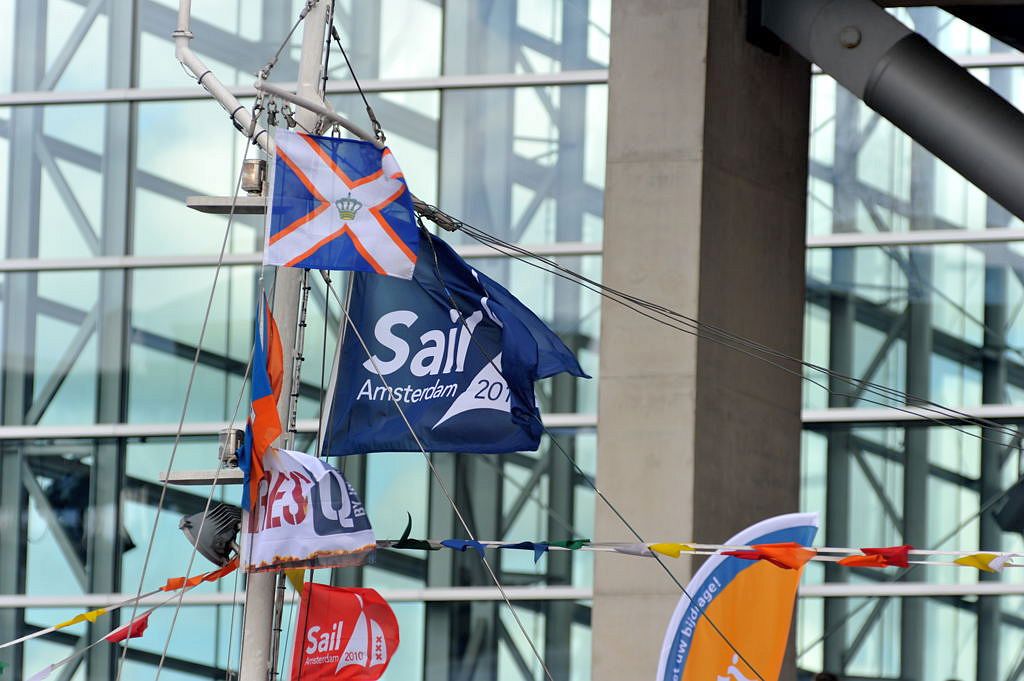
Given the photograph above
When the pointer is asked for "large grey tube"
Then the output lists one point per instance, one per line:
(904, 78)
(953, 115)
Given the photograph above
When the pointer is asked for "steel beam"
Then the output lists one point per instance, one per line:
(915, 486)
(107, 475)
(913, 632)
(67, 195)
(71, 44)
(442, 595)
(63, 367)
(478, 494)
(899, 74)
(570, 118)
(438, 663)
(19, 323)
(69, 552)
(209, 428)
(937, 237)
(480, 195)
(993, 391)
(471, 81)
(842, 322)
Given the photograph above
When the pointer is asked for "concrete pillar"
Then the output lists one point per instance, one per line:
(705, 213)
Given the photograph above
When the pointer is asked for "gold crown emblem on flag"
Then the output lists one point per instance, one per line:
(348, 207)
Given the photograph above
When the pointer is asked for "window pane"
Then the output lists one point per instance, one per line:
(528, 36)
(526, 164)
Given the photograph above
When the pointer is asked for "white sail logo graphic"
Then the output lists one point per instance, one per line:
(487, 390)
(367, 647)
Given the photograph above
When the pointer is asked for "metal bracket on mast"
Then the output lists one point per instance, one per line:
(432, 213)
(319, 108)
(256, 205)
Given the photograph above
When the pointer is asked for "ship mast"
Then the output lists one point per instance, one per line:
(257, 636)
(261, 606)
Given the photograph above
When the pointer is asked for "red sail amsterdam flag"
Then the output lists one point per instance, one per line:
(343, 633)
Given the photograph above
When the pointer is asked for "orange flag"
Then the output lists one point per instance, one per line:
(789, 555)
(175, 583)
(860, 560)
(786, 555)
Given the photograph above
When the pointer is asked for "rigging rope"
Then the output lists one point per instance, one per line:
(915, 406)
(378, 131)
(572, 461)
(202, 522)
(265, 71)
(327, 53)
(188, 395)
(442, 486)
(741, 344)
(231, 628)
(319, 431)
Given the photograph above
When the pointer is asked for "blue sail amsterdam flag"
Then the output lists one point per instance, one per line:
(457, 351)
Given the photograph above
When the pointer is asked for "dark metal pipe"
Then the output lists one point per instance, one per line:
(954, 115)
(904, 78)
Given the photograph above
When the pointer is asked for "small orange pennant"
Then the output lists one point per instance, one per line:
(789, 555)
(858, 560)
(786, 555)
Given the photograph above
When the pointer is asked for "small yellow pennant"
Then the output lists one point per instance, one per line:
(669, 548)
(90, 616)
(981, 561)
(297, 577)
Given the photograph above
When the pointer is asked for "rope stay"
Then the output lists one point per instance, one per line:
(593, 484)
(181, 423)
(441, 485)
(929, 410)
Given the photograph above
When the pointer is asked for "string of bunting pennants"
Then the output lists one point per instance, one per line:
(134, 629)
(787, 555)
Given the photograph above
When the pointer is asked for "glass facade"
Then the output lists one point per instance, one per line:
(940, 321)
(106, 274)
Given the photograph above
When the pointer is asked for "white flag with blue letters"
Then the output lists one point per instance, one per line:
(307, 515)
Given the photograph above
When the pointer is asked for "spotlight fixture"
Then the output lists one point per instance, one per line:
(254, 175)
(214, 537)
(229, 440)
